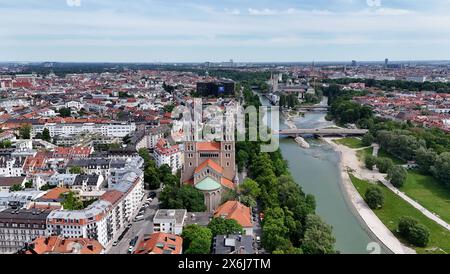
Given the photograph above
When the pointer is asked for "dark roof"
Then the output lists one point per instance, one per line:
(91, 179)
(227, 244)
(24, 216)
(10, 181)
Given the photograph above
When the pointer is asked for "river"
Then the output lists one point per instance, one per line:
(316, 170)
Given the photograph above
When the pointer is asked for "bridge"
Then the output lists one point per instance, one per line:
(314, 107)
(324, 132)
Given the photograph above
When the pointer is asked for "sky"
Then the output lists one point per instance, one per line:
(220, 30)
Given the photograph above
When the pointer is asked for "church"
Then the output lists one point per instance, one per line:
(211, 168)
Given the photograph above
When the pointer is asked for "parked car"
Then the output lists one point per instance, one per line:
(152, 195)
(115, 243)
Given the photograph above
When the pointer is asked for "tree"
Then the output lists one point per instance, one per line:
(25, 132)
(196, 239)
(368, 139)
(65, 112)
(15, 188)
(419, 235)
(416, 233)
(441, 168)
(250, 188)
(374, 197)
(5, 144)
(397, 175)
(384, 164)
(72, 202)
(46, 135)
(75, 170)
(221, 226)
(370, 161)
(318, 237)
(29, 184)
(425, 159)
(185, 197)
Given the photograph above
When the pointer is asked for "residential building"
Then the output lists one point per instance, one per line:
(233, 244)
(169, 154)
(236, 211)
(20, 226)
(7, 182)
(61, 245)
(160, 243)
(169, 221)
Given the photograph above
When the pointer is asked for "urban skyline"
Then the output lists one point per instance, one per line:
(248, 31)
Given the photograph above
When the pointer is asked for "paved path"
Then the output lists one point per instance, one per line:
(378, 229)
(415, 204)
(374, 176)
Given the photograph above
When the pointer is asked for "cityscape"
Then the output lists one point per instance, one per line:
(231, 152)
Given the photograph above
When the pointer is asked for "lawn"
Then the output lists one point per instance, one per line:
(385, 154)
(350, 142)
(428, 192)
(395, 207)
(364, 152)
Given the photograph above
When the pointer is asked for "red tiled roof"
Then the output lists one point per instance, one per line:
(236, 211)
(160, 243)
(211, 164)
(208, 146)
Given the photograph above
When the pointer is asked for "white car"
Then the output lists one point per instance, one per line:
(115, 243)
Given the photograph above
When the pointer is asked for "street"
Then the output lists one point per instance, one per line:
(139, 228)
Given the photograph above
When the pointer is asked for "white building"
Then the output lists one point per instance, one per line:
(169, 221)
(105, 219)
(110, 130)
(167, 154)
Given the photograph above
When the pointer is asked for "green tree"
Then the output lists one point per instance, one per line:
(46, 135)
(384, 164)
(29, 184)
(15, 188)
(221, 226)
(72, 202)
(370, 161)
(75, 170)
(441, 168)
(65, 112)
(185, 197)
(196, 239)
(250, 188)
(397, 175)
(25, 132)
(318, 237)
(374, 197)
(414, 232)
(368, 139)
(425, 159)
(5, 144)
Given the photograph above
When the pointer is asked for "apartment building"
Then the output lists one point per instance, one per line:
(169, 154)
(169, 221)
(62, 129)
(20, 226)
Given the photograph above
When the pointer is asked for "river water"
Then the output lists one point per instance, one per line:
(317, 171)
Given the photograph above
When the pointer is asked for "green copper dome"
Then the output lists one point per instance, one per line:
(207, 184)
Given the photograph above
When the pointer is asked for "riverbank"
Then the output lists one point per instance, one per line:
(349, 162)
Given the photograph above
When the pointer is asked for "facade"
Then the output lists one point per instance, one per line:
(110, 130)
(105, 219)
(210, 167)
(168, 154)
(169, 221)
(7, 182)
(11, 166)
(19, 226)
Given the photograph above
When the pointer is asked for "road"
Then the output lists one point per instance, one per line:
(139, 228)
